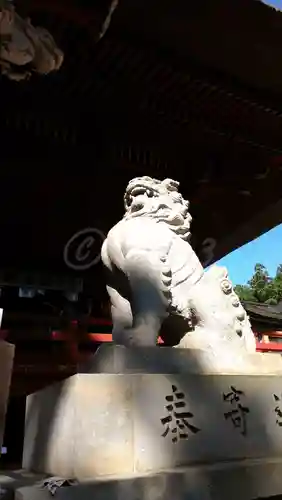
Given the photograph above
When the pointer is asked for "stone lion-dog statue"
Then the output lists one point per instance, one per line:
(156, 283)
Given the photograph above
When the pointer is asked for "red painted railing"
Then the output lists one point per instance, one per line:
(91, 337)
(107, 337)
(269, 347)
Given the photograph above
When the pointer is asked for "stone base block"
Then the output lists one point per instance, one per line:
(10, 481)
(111, 358)
(6, 367)
(247, 480)
(92, 426)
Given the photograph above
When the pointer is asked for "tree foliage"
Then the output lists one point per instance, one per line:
(261, 287)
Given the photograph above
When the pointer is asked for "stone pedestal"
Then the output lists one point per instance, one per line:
(6, 368)
(111, 358)
(102, 426)
(248, 480)
(11, 481)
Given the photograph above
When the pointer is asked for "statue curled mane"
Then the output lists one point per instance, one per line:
(160, 200)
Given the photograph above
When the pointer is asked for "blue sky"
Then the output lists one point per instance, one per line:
(267, 250)
(274, 3)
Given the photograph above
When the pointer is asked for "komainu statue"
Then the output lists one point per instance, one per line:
(25, 49)
(156, 283)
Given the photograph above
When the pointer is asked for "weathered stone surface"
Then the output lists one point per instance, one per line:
(81, 427)
(32, 49)
(111, 425)
(246, 480)
(216, 438)
(112, 358)
(6, 366)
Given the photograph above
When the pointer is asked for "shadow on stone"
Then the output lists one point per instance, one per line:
(203, 465)
(39, 423)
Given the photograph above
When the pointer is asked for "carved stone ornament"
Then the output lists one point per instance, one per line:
(157, 284)
(25, 49)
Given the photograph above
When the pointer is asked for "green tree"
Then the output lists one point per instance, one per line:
(261, 287)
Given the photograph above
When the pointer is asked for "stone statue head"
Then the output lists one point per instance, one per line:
(145, 196)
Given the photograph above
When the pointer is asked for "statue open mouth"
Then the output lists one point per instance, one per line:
(136, 192)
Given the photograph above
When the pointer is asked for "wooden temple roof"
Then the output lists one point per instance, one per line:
(188, 90)
(265, 314)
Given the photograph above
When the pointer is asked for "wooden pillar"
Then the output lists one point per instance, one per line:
(6, 367)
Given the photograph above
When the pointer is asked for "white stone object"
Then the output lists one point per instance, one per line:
(102, 426)
(154, 276)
